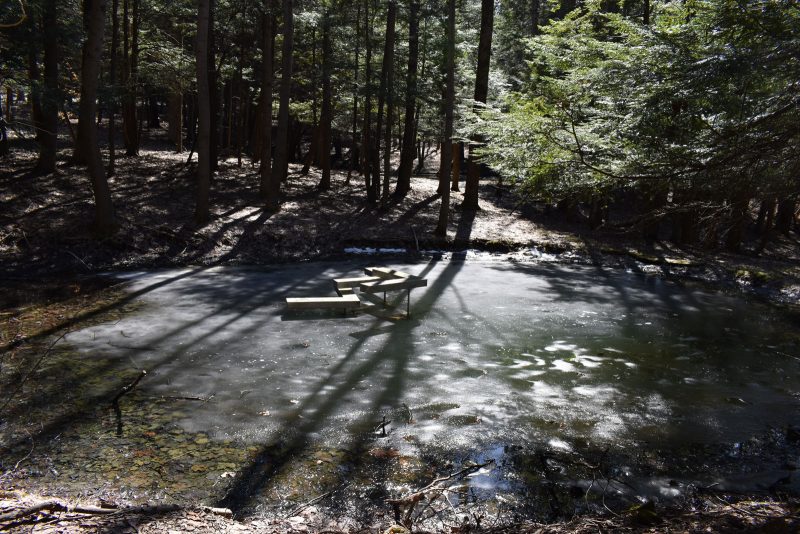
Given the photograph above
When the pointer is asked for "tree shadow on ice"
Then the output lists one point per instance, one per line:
(387, 366)
(238, 301)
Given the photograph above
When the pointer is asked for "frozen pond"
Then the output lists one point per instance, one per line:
(609, 356)
(497, 356)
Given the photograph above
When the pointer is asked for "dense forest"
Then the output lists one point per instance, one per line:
(678, 119)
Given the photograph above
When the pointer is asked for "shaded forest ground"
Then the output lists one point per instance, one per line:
(46, 232)
(709, 514)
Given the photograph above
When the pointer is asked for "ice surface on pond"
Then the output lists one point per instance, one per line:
(494, 352)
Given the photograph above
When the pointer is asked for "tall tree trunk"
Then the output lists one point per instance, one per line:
(353, 144)
(367, 129)
(130, 125)
(766, 218)
(786, 215)
(376, 149)
(646, 12)
(281, 170)
(204, 113)
(112, 100)
(536, 10)
(388, 50)
(409, 132)
(35, 77)
(49, 103)
(3, 134)
(481, 93)
(456, 166)
(240, 91)
(327, 115)
(153, 119)
(268, 30)
(213, 89)
(175, 118)
(94, 19)
(388, 65)
(449, 104)
(738, 212)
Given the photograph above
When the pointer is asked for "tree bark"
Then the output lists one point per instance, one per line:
(9, 105)
(766, 218)
(94, 18)
(35, 77)
(481, 93)
(327, 115)
(281, 171)
(49, 101)
(739, 205)
(268, 30)
(535, 15)
(456, 167)
(383, 97)
(201, 211)
(213, 90)
(449, 102)
(175, 118)
(409, 131)
(388, 65)
(112, 101)
(130, 126)
(367, 129)
(353, 148)
(786, 215)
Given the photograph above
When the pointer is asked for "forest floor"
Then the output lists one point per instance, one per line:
(48, 254)
(707, 514)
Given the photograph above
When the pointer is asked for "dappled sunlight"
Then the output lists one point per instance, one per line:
(531, 357)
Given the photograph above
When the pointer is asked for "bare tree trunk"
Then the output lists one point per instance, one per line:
(353, 144)
(130, 125)
(384, 97)
(367, 130)
(268, 29)
(94, 18)
(388, 65)
(49, 102)
(327, 115)
(9, 105)
(409, 131)
(201, 212)
(175, 118)
(112, 101)
(213, 90)
(281, 171)
(739, 205)
(456, 165)
(786, 215)
(481, 93)
(449, 102)
(35, 77)
(766, 218)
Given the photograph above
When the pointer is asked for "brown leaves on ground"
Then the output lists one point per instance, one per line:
(708, 515)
